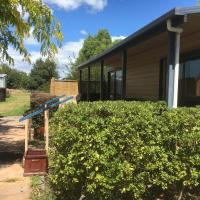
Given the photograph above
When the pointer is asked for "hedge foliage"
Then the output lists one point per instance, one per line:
(125, 150)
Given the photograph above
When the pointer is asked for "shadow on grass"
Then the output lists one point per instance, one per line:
(11, 146)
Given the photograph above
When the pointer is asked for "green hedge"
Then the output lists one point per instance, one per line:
(125, 150)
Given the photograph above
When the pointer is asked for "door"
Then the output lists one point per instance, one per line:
(115, 85)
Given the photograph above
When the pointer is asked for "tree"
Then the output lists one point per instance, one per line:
(17, 17)
(92, 46)
(41, 74)
(71, 69)
(15, 79)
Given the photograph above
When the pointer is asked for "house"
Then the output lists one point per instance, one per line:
(3, 87)
(161, 61)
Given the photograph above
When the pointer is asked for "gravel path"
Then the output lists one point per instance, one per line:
(13, 186)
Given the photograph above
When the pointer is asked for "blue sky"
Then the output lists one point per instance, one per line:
(81, 17)
(120, 17)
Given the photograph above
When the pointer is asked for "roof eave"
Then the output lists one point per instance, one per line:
(172, 13)
(187, 10)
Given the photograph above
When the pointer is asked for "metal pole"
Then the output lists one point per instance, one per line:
(80, 81)
(170, 74)
(176, 70)
(173, 62)
(102, 81)
(88, 85)
(124, 68)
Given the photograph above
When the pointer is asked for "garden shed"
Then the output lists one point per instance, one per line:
(3, 87)
(3, 80)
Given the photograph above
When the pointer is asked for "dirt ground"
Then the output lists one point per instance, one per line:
(13, 186)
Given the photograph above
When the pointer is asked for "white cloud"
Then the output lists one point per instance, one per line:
(19, 63)
(96, 5)
(121, 37)
(31, 40)
(69, 50)
(67, 53)
(83, 32)
(24, 15)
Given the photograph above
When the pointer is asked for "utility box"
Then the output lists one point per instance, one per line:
(3, 87)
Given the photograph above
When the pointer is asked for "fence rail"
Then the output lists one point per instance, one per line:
(31, 115)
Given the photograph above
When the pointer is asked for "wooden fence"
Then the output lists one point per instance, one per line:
(64, 87)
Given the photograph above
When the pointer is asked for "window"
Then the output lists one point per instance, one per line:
(84, 84)
(115, 84)
(119, 84)
(190, 82)
(95, 77)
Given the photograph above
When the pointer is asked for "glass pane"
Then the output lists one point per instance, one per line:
(84, 84)
(112, 85)
(118, 84)
(95, 76)
(181, 85)
(192, 78)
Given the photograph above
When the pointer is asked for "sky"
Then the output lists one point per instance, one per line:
(79, 18)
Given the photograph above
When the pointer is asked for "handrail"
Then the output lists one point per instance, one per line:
(47, 102)
(31, 115)
(43, 109)
(63, 101)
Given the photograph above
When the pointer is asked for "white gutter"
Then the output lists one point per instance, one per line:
(178, 32)
(173, 29)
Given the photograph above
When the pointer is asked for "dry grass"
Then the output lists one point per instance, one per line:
(16, 104)
(11, 180)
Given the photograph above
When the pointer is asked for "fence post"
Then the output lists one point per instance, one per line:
(26, 134)
(46, 120)
(52, 86)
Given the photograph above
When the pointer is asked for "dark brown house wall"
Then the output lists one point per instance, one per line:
(143, 62)
(113, 62)
(190, 38)
(143, 68)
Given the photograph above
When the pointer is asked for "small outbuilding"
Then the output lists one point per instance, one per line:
(3, 87)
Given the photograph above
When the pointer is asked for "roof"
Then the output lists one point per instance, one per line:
(3, 75)
(138, 35)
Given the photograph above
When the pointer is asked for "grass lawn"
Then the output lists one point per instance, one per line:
(16, 104)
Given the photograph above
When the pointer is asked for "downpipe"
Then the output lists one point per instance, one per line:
(178, 32)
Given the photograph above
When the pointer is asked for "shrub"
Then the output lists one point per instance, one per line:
(125, 150)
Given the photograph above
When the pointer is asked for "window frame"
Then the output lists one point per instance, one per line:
(189, 101)
(184, 57)
(114, 70)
